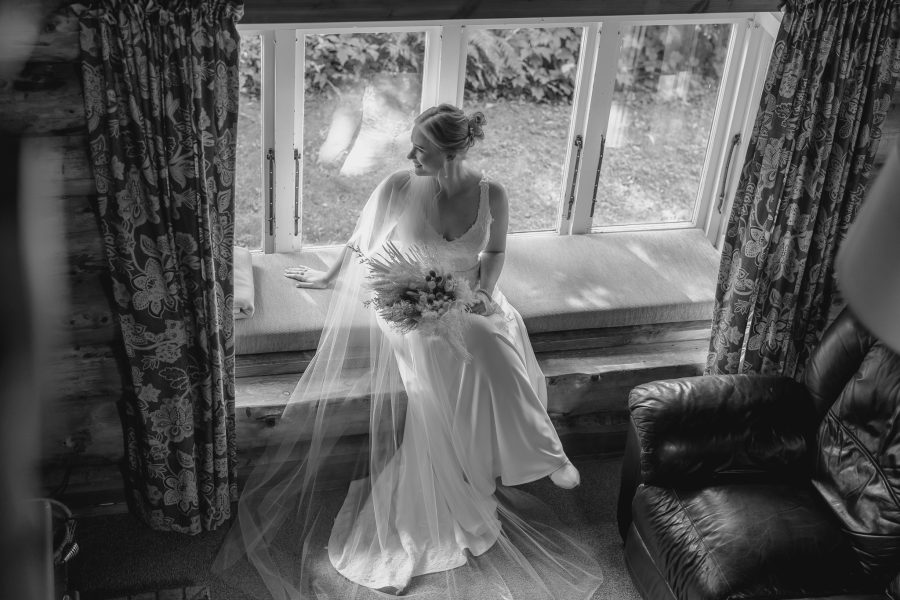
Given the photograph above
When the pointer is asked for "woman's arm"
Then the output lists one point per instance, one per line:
(377, 213)
(494, 254)
(313, 278)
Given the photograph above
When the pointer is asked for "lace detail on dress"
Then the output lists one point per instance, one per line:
(482, 222)
(461, 253)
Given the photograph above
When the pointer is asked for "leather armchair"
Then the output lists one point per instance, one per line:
(754, 486)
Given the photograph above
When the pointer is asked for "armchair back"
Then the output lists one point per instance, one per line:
(836, 358)
(855, 382)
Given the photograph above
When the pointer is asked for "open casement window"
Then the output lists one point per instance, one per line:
(253, 135)
(668, 109)
(643, 124)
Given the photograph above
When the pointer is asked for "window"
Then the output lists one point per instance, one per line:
(592, 126)
(248, 184)
(357, 119)
(526, 138)
(663, 103)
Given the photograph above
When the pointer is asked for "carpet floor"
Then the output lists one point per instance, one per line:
(119, 556)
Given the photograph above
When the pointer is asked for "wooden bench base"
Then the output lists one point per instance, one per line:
(589, 374)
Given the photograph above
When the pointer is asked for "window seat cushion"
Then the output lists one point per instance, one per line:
(243, 284)
(557, 283)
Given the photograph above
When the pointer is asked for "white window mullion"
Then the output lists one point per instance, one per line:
(452, 70)
(726, 123)
(753, 74)
(267, 109)
(762, 45)
(584, 78)
(296, 196)
(431, 68)
(770, 22)
(594, 132)
(285, 73)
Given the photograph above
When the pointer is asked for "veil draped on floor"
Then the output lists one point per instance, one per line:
(346, 420)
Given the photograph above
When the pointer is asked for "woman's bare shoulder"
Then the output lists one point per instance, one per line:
(496, 186)
(497, 194)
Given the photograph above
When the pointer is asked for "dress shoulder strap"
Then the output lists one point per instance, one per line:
(484, 202)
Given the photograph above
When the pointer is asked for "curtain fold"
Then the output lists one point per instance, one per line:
(161, 99)
(828, 88)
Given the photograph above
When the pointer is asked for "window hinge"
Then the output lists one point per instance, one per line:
(296, 191)
(597, 176)
(579, 143)
(270, 156)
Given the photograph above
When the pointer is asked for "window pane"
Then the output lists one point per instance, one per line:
(663, 105)
(523, 80)
(248, 199)
(362, 92)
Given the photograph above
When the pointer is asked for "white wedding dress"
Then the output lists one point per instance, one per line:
(424, 514)
(467, 423)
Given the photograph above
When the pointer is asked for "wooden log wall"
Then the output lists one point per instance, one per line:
(81, 434)
(277, 11)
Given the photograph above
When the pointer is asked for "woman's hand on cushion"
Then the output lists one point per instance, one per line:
(308, 278)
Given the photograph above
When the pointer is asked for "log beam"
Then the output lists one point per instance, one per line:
(345, 11)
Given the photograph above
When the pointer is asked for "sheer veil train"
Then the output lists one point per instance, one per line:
(429, 512)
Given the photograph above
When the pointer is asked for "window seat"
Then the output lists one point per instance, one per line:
(557, 283)
(605, 312)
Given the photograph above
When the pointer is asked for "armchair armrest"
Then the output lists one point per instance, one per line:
(716, 427)
(712, 429)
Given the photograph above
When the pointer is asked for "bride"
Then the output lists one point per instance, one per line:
(425, 516)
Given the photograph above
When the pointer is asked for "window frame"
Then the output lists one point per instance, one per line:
(267, 129)
(760, 41)
(750, 44)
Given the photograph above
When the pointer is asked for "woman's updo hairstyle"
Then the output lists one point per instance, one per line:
(450, 129)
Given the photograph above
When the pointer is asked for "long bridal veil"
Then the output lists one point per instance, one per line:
(419, 503)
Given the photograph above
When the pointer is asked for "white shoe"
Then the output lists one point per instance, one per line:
(567, 476)
(391, 590)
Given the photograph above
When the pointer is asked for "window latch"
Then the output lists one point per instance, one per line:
(296, 192)
(597, 176)
(270, 156)
(721, 199)
(579, 143)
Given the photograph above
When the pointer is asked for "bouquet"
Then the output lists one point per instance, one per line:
(412, 291)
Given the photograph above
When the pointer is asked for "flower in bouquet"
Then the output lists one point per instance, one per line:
(411, 290)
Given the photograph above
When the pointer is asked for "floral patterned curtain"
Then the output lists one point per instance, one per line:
(828, 89)
(161, 99)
